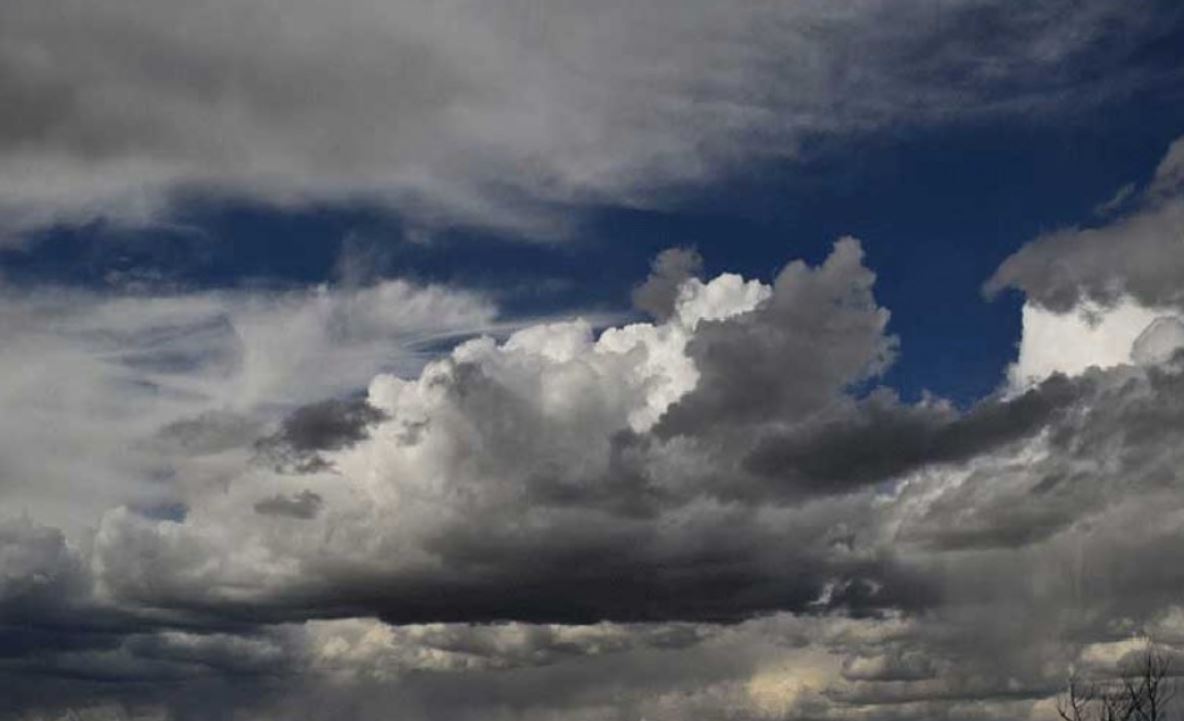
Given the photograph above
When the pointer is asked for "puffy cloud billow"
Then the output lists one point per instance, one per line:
(558, 476)
(718, 513)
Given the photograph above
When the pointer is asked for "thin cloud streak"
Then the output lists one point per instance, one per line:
(507, 114)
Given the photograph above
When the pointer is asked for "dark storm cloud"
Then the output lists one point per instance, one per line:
(853, 556)
(837, 553)
(1115, 441)
(723, 573)
(329, 425)
(48, 606)
(718, 589)
(820, 332)
(39, 574)
(881, 438)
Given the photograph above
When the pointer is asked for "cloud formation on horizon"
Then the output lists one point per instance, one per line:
(718, 513)
(377, 497)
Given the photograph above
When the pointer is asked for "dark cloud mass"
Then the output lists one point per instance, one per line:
(305, 504)
(316, 504)
(716, 502)
(328, 425)
(819, 332)
(881, 438)
(323, 426)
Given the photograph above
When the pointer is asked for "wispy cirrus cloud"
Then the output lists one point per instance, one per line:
(504, 114)
(116, 399)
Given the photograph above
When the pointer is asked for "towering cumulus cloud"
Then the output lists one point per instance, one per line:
(716, 514)
(1093, 292)
(559, 476)
(719, 513)
(323, 393)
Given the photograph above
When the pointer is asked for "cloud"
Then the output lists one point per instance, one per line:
(144, 399)
(519, 482)
(303, 505)
(36, 567)
(326, 425)
(1072, 342)
(658, 295)
(1139, 255)
(1159, 341)
(503, 114)
(883, 439)
(714, 515)
(1102, 296)
(820, 332)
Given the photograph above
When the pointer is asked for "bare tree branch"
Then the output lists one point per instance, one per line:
(1145, 693)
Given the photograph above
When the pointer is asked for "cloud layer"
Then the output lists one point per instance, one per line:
(293, 504)
(496, 113)
(717, 514)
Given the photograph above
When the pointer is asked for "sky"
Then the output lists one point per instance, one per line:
(587, 361)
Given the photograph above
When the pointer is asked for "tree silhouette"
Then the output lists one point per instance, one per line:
(1144, 693)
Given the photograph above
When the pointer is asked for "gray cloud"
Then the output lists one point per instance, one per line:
(715, 516)
(895, 666)
(323, 426)
(303, 505)
(328, 425)
(882, 439)
(820, 332)
(36, 568)
(533, 490)
(659, 293)
(1139, 254)
(1158, 341)
(139, 399)
(552, 527)
(492, 113)
(207, 432)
